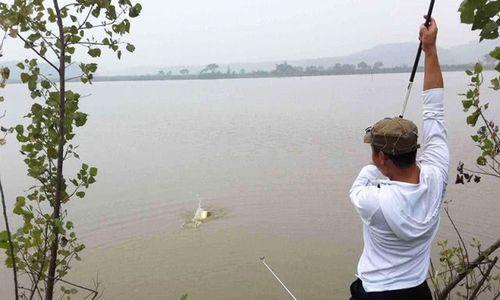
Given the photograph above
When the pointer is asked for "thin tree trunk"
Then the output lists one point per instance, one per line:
(11, 245)
(459, 277)
(49, 292)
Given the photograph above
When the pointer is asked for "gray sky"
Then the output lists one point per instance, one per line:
(191, 32)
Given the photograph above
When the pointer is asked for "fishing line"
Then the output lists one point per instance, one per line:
(263, 260)
(417, 59)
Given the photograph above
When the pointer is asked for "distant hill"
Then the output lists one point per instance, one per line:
(391, 55)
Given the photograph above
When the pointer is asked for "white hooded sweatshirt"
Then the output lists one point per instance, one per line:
(401, 219)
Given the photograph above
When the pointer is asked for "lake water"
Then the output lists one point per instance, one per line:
(277, 156)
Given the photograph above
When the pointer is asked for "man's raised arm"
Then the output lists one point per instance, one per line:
(433, 78)
(435, 143)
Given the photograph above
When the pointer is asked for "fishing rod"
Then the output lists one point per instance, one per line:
(263, 260)
(417, 59)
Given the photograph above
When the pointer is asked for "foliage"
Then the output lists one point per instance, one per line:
(210, 68)
(486, 137)
(46, 243)
(483, 15)
(456, 270)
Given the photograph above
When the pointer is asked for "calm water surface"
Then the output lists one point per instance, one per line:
(278, 155)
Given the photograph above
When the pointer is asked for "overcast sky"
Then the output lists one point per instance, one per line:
(192, 32)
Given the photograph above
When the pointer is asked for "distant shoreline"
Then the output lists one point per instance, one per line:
(269, 74)
(273, 74)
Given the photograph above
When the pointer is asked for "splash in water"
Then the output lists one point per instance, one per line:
(202, 215)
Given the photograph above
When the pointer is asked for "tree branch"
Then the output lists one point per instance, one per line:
(459, 277)
(485, 276)
(38, 53)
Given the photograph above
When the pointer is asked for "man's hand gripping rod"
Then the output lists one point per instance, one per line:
(417, 59)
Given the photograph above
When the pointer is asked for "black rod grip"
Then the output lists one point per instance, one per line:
(419, 51)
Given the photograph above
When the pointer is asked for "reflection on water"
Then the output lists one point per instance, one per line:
(278, 154)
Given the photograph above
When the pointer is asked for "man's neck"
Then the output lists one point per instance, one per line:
(409, 175)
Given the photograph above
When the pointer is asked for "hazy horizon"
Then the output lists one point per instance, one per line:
(194, 32)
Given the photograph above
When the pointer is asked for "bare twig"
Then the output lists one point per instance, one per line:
(86, 18)
(463, 247)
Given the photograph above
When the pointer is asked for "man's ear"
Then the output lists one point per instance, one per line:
(382, 158)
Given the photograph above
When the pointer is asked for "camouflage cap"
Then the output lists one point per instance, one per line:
(393, 136)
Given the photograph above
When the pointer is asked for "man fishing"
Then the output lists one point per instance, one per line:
(399, 197)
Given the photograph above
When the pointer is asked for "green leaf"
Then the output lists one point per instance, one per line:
(135, 10)
(32, 83)
(93, 171)
(3, 236)
(20, 129)
(80, 194)
(25, 77)
(36, 109)
(85, 166)
(481, 161)
(4, 240)
(472, 119)
(43, 49)
(495, 53)
(495, 84)
(96, 52)
(478, 68)
(467, 104)
(18, 207)
(80, 119)
(5, 73)
(489, 31)
(34, 37)
(52, 153)
(69, 225)
(45, 84)
(130, 48)
(20, 66)
(466, 12)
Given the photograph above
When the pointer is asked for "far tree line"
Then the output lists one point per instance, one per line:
(215, 71)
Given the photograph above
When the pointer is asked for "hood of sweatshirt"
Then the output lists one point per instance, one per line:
(412, 210)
